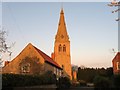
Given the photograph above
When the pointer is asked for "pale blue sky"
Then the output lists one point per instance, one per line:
(91, 27)
(0, 13)
(56, 0)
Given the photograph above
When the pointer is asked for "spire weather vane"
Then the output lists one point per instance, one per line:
(115, 3)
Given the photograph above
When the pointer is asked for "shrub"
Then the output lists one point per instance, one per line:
(64, 82)
(117, 80)
(17, 80)
(82, 83)
(101, 82)
(49, 78)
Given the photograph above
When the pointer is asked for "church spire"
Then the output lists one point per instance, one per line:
(62, 20)
(62, 47)
(62, 31)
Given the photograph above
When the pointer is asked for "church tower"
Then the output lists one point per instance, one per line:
(62, 47)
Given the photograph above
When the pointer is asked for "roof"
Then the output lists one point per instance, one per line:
(117, 57)
(47, 58)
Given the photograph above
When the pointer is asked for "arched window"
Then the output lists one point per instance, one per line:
(25, 68)
(118, 66)
(64, 48)
(60, 48)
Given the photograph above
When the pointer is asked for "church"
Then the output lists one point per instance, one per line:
(32, 60)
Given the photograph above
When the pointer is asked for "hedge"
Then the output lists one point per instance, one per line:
(101, 82)
(64, 82)
(117, 81)
(18, 80)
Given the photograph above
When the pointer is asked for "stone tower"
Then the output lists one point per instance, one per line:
(62, 46)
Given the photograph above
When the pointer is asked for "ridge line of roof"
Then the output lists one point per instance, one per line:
(46, 56)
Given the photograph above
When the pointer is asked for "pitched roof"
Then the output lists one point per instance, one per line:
(117, 57)
(47, 58)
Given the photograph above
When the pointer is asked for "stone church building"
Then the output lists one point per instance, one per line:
(33, 61)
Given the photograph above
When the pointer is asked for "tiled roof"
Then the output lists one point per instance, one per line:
(47, 58)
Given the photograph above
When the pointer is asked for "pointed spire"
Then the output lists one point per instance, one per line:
(61, 21)
(62, 12)
(62, 31)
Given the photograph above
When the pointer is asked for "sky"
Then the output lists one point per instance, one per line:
(0, 13)
(56, 0)
(91, 27)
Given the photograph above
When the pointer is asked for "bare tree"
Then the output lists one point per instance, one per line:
(116, 4)
(3, 45)
(74, 68)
